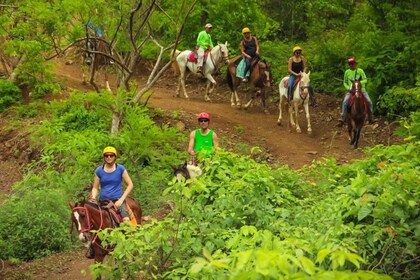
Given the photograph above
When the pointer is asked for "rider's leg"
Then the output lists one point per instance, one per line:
(343, 118)
(124, 212)
(290, 86)
(200, 54)
(370, 113)
(247, 66)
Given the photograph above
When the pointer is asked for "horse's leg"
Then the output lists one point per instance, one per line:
(210, 82)
(246, 106)
(108, 88)
(357, 136)
(296, 105)
(281, 104)
(263, 101)
(182, 80)
(308, 117)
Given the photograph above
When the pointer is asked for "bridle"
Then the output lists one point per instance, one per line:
(225, 58)
(302, 87)
(89, 226)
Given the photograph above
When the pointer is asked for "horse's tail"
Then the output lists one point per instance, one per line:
(175, 65)
(229, 79)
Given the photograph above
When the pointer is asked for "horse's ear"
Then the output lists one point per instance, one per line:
(309, 73)
(71, 204)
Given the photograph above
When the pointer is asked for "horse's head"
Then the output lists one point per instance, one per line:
(223, 52)
(356, 88)
(304, 83)
(81, 219)
(265, 73)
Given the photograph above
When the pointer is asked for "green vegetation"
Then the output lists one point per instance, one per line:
(241, 219)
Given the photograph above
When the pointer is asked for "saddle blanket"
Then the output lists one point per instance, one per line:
(240, 69)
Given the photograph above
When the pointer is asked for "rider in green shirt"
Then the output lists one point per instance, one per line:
(203, 141)
(204, 43)
(354, 73)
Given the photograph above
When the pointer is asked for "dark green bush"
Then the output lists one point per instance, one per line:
(399, 102)
(9, 94)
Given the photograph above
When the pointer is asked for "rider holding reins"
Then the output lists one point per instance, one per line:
(354, 73)
(249, 49)
(204, 43)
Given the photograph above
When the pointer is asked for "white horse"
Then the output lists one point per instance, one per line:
(300, 96)
(216, 57)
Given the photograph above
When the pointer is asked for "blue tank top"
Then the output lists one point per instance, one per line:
(111, 183)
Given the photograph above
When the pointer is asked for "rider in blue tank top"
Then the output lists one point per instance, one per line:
(111, 183)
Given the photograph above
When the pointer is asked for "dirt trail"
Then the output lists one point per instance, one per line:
(238, 130)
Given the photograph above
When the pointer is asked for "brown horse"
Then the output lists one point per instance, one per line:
(356, 113)
(97, 54)
(259, 79)
(88, 216)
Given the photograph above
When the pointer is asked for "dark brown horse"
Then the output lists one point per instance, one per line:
(96, 56)
(356, 113)
(259, 79)
(87, 216)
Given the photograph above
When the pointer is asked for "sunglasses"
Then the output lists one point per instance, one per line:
(109, 155)
(203, 120)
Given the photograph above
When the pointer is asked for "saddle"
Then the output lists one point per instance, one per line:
(115, 216)
(192, 57)
(295, 83)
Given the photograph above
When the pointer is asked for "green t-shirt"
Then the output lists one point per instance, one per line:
(203, 144)
(350, 75)
(204, 40)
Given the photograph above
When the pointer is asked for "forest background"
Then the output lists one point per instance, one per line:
(373, 204)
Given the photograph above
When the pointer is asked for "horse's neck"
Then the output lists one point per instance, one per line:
(98, 217)
(216, 55)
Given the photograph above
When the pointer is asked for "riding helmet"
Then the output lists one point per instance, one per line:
(208, 25)
(110, 149)
(351, 60)
(246, 30)
(203, 115)
(297, 48)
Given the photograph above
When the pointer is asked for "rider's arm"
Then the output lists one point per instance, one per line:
(129, 183)
(290, 67)
(347, 80)
(95, 188)
(215, 141)
(191, 143)
(363, 77)
(243, 50)
(258, 46)
(304, 63)
(210, 43)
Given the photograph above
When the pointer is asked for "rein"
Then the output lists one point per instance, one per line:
(221, 57)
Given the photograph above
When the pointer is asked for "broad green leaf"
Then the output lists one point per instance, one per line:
(364, 211)
(321, 255)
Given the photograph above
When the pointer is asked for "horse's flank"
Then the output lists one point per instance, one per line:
(259, 79)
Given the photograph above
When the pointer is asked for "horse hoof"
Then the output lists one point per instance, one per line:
(279, 123)
(298, 131)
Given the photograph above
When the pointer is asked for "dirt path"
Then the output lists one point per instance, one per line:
(238, 130)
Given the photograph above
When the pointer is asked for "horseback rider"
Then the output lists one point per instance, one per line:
(204, 43)
(203, 141)
(249, 49)
(109, 177)
(297, 64)
(354, 73)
